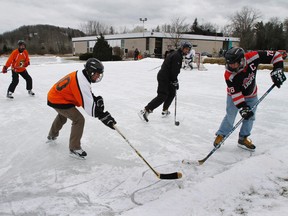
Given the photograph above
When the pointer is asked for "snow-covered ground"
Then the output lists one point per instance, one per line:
(37, 178)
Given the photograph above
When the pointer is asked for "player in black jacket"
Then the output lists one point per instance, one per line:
(167, 81)
(240, 77)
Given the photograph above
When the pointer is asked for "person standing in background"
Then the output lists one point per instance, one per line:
(167, 79)
(19, 61)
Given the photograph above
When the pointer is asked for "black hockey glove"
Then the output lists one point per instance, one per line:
(107, 119)
(175, 84)
(99, 105)
(278, 76)
(246, 112)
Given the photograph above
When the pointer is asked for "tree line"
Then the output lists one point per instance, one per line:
(40, 39)
(245, 24)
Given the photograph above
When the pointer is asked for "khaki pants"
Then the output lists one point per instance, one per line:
(77, 127)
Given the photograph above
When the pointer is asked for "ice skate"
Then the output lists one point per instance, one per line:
(143, 114)
(9, 95)
(31, 93)
(246, 143)
(218, 140)
(165, 113)
(79, 154)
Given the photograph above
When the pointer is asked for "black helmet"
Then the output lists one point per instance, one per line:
(185, 44)
(93, 66)
(235, 55)
(21, 42)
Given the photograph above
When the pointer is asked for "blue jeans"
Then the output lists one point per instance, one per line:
(231, 113)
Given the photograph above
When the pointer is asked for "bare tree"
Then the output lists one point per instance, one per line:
(137, 29)
(243, 24)
(227, 30)
(176, 29)
(94, 28)
(209, 27)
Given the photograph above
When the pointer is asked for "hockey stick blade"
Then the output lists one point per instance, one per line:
(170, 176)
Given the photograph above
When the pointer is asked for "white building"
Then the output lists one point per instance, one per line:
(155, 43)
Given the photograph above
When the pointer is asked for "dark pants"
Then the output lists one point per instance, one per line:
(165, 94)
(15, 80)
(77, 127)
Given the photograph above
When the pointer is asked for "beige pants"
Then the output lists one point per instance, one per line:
(77, 127)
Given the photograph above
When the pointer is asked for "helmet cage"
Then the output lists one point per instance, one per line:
(241, 66)
(232, 56)
(93, 66)
(186, 44)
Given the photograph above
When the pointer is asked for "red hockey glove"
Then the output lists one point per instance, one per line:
(4, 70)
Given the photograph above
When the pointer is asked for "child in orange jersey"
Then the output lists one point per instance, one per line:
(75, 90)
(18, 60)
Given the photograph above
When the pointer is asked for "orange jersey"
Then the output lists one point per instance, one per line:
(18, 61)
(72, 90)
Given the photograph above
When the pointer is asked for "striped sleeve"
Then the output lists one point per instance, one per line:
(277, 58)
(86, 93)
(238, 98)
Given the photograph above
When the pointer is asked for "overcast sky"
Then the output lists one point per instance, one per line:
(126, 13)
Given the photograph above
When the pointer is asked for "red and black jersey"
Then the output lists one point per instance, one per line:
(242, 84)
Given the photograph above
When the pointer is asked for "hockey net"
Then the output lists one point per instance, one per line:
(198, 59)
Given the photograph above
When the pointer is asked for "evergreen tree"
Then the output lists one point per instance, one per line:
(260, 36)
(102, 49)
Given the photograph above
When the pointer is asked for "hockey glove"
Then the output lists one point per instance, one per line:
(99, 105)
(246, 112)
(4, 70)
(108, 120)
(278, 76)
(26, 64)
(175, 84)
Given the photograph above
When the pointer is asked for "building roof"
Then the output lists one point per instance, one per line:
(155, 35)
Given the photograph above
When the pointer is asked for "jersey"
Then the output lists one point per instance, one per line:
(72, 90)
(190, 55)
(171, 67)
(18, 61)
(242, 84)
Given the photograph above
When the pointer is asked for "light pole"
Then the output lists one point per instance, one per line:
(143, 20)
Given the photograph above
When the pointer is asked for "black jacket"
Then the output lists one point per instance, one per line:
(171, 67)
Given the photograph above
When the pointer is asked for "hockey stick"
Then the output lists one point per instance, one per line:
(238, 123)
(154, 68)
(169, 176)
(177, 123)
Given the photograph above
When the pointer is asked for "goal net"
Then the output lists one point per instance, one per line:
(198, 59)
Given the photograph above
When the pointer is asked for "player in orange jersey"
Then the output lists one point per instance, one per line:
(19, 61)
(75, 90)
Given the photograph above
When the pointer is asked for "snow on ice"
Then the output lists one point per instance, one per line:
(39, 178)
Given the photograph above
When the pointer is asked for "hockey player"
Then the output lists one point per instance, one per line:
(167, 79)
(188, 61)
(75, 90)
(240, 77)
(19, 61)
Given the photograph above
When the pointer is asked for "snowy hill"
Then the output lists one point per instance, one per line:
(37, 178)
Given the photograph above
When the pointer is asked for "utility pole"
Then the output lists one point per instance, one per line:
(143, 20)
